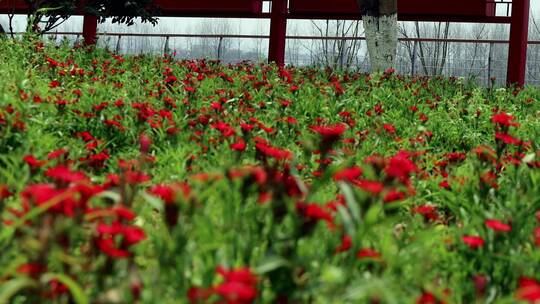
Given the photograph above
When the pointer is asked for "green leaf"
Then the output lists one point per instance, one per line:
(271, 263)
(152, 200)
(351, 202)
(14, 286)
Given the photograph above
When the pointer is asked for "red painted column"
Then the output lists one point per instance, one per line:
(517, 52)
(90, 29)
(278, 32)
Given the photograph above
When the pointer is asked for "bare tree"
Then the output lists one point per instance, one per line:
(533, 62)
(339, 53)
(433, 56)
(381, 27)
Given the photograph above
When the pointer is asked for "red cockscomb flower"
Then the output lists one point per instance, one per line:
(504, 119)
(393, 196)
(4, 192)
(130, 235)
(368, 253)
(34, 162)
(314, 213)
(330, 133)
(239, 145)
(346, 244)
(429, 212)
(400, 167)
(508, 139)
(239, 286)
(389, 128)
(473, 242)
(63, 174)
(348, 174)
(529, 290)
(498, 226)
(373, 187)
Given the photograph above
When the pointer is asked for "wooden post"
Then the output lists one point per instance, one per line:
(90, 29)
(278, 32)
(517, 52)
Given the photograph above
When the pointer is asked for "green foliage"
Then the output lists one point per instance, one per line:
(278, 207)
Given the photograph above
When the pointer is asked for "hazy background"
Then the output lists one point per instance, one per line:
(479, 60)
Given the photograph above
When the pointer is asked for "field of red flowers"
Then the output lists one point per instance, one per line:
(144, 179)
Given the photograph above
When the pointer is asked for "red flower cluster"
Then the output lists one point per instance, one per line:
(528, 290)
(401, 167)
(504, 120)
(428, 211)
(331, 133)
(312, 213)
(239, 287)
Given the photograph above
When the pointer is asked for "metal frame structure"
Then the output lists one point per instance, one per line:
(474, 11)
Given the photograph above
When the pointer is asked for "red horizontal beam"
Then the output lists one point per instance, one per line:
(407, 17)
(174, 7)
(409, 10)
(432, 8)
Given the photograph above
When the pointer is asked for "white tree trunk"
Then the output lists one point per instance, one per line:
(381, 36)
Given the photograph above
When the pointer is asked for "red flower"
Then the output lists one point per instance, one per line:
(46, 193)
(4, 192)
(498, 226)
(118, 213)
(480, 284)
(56, 154)
(400, 167)
(529, 290)
(114, 123)
(389, 128)
(168, 193)
(346, 244)
(537, 236)
(428, 298)
(54, 84)
(455, 157)
(34, 162)
(473, 242)
(164, 192)
(348, 174)
(63, 174)
(393, 196)
(199, 295)
(239, 145)
(445, 185)
(269, 151)
(508, 139)
(504, 119)
(314, 212)
(368, 253)
(372, 187)
(171, 79)
(429, 212)
(33, 270)
(240, 285)
(130, 235)
(291, 120)
(330, 133)
(144, 142)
